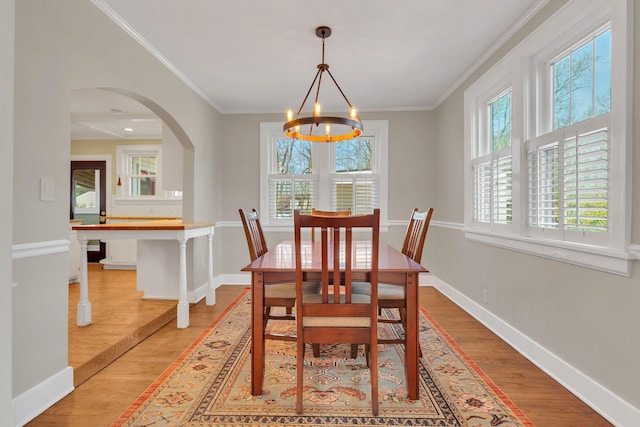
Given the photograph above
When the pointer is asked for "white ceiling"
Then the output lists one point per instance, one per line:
(246, 56)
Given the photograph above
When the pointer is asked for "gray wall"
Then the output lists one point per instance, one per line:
(61, 47)
(7, 21)
(586, 317)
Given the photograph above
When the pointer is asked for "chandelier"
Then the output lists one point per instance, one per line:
(333, 128)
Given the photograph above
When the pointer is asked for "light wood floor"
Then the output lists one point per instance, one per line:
(102, 398)
(120, 320)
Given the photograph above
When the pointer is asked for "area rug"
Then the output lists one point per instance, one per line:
(209, 384)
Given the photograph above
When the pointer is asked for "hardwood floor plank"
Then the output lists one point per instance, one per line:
(101, 399)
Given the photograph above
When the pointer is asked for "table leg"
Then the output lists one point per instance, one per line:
(257, 335)
(84, 306)
(211, 291)
(412, 335)
(183, 304)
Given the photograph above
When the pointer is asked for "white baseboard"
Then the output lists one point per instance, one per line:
(616, 410)
(36, 400)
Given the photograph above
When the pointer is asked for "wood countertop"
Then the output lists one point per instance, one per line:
(146, 225)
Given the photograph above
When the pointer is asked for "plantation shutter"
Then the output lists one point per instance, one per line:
(568, 178)
(502, 199)
(586, 181)
(356, 192)
(482, 192)
(543, 181)
(289, 192)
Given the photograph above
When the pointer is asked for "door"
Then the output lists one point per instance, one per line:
(89, 199)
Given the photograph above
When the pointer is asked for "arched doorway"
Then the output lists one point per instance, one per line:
(108, 125)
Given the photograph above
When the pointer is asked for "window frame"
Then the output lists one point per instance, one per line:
(123, 155)
(323, 155)
(527, 68)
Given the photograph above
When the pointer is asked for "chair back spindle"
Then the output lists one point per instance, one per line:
(416, 234)
(253, 231)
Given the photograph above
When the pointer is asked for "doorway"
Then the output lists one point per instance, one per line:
(89, 200)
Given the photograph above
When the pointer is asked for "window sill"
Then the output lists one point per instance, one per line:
(598, 258)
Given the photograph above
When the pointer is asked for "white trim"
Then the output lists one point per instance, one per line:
(28, 250)
(608, 260)
(200, 293)
(107, 10)
(234, 279)
(600, 399)
(37, 399)
(598, 258)
(444, 224)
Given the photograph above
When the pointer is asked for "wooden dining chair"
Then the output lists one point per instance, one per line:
(318, 212)
(276, 294)
(391, 295)
(337, 315)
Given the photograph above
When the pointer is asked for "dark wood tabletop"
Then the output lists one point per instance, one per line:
(278, 265)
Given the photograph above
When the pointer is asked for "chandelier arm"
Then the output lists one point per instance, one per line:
(338, 86)
(308, 92)
(320, 70)
(318, 89)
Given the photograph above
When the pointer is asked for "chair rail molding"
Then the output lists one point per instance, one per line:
(27, 250)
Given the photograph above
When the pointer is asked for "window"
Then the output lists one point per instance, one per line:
(568, 175)
(302, 175)
(582, 81)
(568, 167)
(293, 184)
(355, 184)
(492, 166)
(86, 188)
(547, 134)
(141, 174)
(140, 171)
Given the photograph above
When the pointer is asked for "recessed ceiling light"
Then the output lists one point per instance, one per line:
(129, 129)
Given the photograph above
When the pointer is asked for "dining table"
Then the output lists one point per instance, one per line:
(278, 265)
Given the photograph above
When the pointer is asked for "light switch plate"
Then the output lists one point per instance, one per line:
(47, 189)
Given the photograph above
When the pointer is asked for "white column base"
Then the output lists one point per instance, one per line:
(183, 314)
(84, 313)
(211, 295)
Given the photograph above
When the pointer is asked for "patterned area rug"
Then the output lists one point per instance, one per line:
(209, 384)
